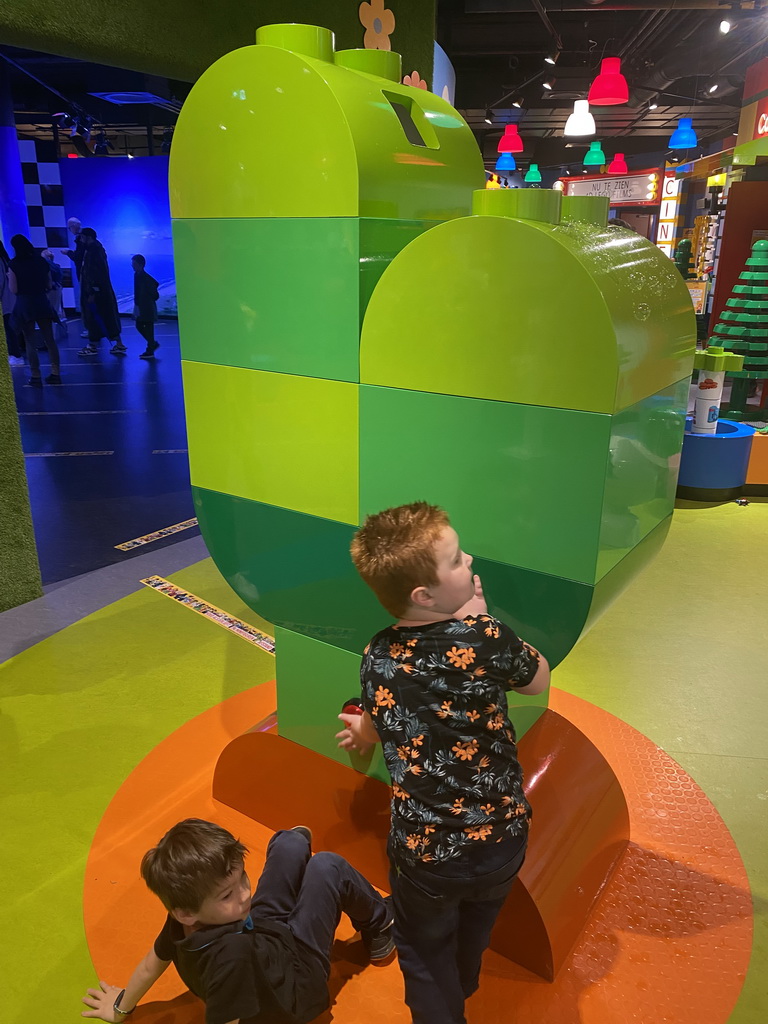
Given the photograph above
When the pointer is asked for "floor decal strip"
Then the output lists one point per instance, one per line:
(60, 455)
(137, 542)
(210, 611)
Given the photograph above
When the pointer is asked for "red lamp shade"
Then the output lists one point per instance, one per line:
(610, 87)
(510, 141)
(618, 165)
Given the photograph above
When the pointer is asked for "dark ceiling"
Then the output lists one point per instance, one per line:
(672, 53)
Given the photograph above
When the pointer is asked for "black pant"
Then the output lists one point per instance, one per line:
(16, 345)
(46, 329)
(309, 893)
(442, 927)
(146, 329)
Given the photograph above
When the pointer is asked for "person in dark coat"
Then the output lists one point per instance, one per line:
(76, 255)
(145, 296)
(13, 339)
(98, 300)
(29, 277)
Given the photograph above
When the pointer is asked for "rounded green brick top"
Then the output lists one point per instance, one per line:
(587, 209)
(383, 63)
(541, 204)
(308, 40)
(760, 246)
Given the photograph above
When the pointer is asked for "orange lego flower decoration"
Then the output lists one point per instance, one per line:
(379, 24)
(707, 383)
(415, 81)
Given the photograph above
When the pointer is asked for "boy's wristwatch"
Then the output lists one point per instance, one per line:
(116, 1007)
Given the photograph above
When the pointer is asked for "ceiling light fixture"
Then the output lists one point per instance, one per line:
(725, 26)
(551, 58)
(517, 102)
(580, 122)
(549, 83)
(533, 177)
(618, 165)
(510, 141)
(713, 87)
(610, 87)
(594, 157)
(506, 162)
(684, 136)
(653, 105)
(488, 116)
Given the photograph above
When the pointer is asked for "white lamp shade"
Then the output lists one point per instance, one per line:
(580, 122)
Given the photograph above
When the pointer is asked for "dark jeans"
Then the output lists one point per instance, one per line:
(15, 344)
(146, 329)
(46, 329)
(309, 894)
(443, 925)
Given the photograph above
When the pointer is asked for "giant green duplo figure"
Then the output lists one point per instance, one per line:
(357, 334)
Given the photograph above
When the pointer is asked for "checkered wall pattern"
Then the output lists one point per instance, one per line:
(45, 206)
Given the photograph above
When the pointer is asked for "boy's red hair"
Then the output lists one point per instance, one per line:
(394, 552)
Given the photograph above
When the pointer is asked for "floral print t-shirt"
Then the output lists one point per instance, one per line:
(437, 697)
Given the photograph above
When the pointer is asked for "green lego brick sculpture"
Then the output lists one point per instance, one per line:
(682, 258)
(363, 324)
(743, 328)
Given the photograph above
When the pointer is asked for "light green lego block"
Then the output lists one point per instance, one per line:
(522, 311)
(716, 359)
(260, 112)
(275, 438)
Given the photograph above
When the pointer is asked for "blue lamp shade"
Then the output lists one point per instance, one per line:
(594, 157)
(684, 136)
(506, 162)
(534, 175)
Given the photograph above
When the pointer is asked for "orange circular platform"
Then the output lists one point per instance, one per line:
(670, 939)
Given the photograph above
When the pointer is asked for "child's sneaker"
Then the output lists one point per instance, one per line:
(118, 349)
(89, 350)
(149, 354)
(305, 831)
(380, 944)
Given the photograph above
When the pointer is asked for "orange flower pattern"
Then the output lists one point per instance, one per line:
(437, 695)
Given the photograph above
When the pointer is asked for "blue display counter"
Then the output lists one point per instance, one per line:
(713, 467)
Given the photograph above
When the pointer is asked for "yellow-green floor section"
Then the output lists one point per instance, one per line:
(681, 656)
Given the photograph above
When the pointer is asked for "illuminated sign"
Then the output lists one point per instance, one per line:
(670, 202)
(640, 188)
(760, 130)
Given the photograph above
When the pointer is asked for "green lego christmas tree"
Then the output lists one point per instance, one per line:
(682, 258)
(743, 328)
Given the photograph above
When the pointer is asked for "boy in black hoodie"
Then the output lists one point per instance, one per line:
(251, 959)
(145, 296)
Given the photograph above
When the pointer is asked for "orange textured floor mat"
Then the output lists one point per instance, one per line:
(670, 940)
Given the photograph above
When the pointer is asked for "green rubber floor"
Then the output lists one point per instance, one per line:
(680, 656)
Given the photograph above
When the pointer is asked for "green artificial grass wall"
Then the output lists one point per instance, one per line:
(19, 571)
(181, 38)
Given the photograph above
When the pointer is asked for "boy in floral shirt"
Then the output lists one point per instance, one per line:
(434, 692)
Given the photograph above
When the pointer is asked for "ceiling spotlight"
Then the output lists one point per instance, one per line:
(488, 116)
(549, 83)
(653, 105)
(713, 87)
(82, 126)
(517, 101)
(63, 119)
(551, 58)
(725, 26)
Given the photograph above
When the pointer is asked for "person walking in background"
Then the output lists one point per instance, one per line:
(145, 296)
(76, 255)
(7, 302)
(29, 277)
(55, 294)
(97, 296)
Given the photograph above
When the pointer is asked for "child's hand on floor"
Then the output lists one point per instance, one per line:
(102, 1001)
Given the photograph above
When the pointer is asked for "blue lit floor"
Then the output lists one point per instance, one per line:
(85, 504)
